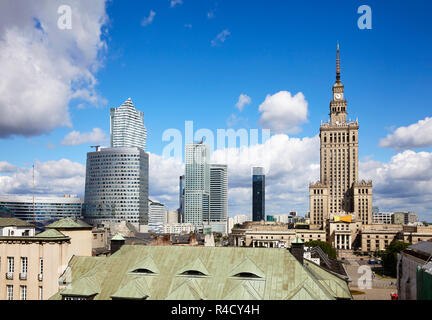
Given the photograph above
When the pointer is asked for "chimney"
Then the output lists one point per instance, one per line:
(297, 249)
(117, 242)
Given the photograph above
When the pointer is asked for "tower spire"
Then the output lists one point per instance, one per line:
(337, 65)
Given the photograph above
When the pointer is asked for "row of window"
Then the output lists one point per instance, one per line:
(24, 265)
(23, 292)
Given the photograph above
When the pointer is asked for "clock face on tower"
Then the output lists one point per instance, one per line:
(338, 96)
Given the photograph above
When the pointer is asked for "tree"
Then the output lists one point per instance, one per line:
(325, 247)
(390, 256)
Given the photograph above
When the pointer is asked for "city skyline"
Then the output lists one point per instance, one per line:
(395, 150)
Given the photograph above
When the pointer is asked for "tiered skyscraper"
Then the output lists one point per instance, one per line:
(127, 126)
(338, 191)
(117, 178)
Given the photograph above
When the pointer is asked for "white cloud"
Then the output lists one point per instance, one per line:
(173, 3)
(404, 183)
(282, 112)
(6, 167)
(148, 20)
(417, 135)
(51, 178)
(164, 176)
(188, 26)
(243, 100)
(75, 138)
(220, 38)
(44, 67)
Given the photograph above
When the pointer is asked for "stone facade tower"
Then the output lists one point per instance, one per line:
(338, 192)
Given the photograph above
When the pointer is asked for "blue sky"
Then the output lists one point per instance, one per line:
(173, 73)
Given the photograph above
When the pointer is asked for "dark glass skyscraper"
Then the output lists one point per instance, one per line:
(258, 194)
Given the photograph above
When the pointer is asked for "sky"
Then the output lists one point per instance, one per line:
(223, 65)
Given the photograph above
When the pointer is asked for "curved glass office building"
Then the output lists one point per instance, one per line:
(116, 186)
(43, 208)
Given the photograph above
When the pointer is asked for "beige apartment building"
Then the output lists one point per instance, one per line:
(339, 191)
(378, 237)
(271, 235)
(30, 265)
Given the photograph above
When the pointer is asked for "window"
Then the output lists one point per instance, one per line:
(9, 292)
(24, 265)
(74, 298)
(40, 293)
(11, 264)
(41, 265)
(193, 273)
(23, 292)
(246, 275)
(143, 271)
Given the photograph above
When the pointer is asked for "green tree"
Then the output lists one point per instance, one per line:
(325, 247)
(389, 256)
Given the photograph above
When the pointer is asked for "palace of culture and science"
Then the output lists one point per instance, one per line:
(338, 195)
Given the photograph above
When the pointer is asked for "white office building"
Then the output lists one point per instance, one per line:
(42, 208)
(127, 126)
(157, 216)
(116, 187)
(197, 183)
(178, 228)
(382, 217)
(218, 212)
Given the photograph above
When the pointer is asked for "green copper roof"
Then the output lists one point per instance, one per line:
(118, 236)
(68, 223)
(50, 233)
(265, 273)
(15, 222)
(297, 240)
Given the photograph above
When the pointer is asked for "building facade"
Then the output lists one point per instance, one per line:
(31, 263)
(218, 212)
(181, 197)
(157, 216)
(43, 208)
(116, 186)
(197, 183)
(271, 235)
(339, 192)
(258, 194)
(382, 218)
(127, 127)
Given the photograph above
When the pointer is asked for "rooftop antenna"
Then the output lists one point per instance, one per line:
(96, 147)
(33, 190)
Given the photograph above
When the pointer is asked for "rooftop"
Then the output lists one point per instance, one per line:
(68, 223)
(14, 222)
(218, 273)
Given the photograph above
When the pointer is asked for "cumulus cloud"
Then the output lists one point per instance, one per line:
(51, 178)
(220, 38)
(243, 100)
(75, 138)
(403, 183)
(6, 167)
(148, 20)
(173, 3)
(290, 164)
(164, 176)
(417, 135)
(44, 67)
(283, 112)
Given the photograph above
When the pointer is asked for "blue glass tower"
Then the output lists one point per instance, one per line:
(258, 194)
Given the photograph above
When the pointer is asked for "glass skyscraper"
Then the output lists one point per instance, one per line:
(258, 194)
(116, 186)
(197, 183)
(127, 126)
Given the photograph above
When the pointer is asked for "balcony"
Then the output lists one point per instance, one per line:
(40, 276)
(9, 275)
(23, 276)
